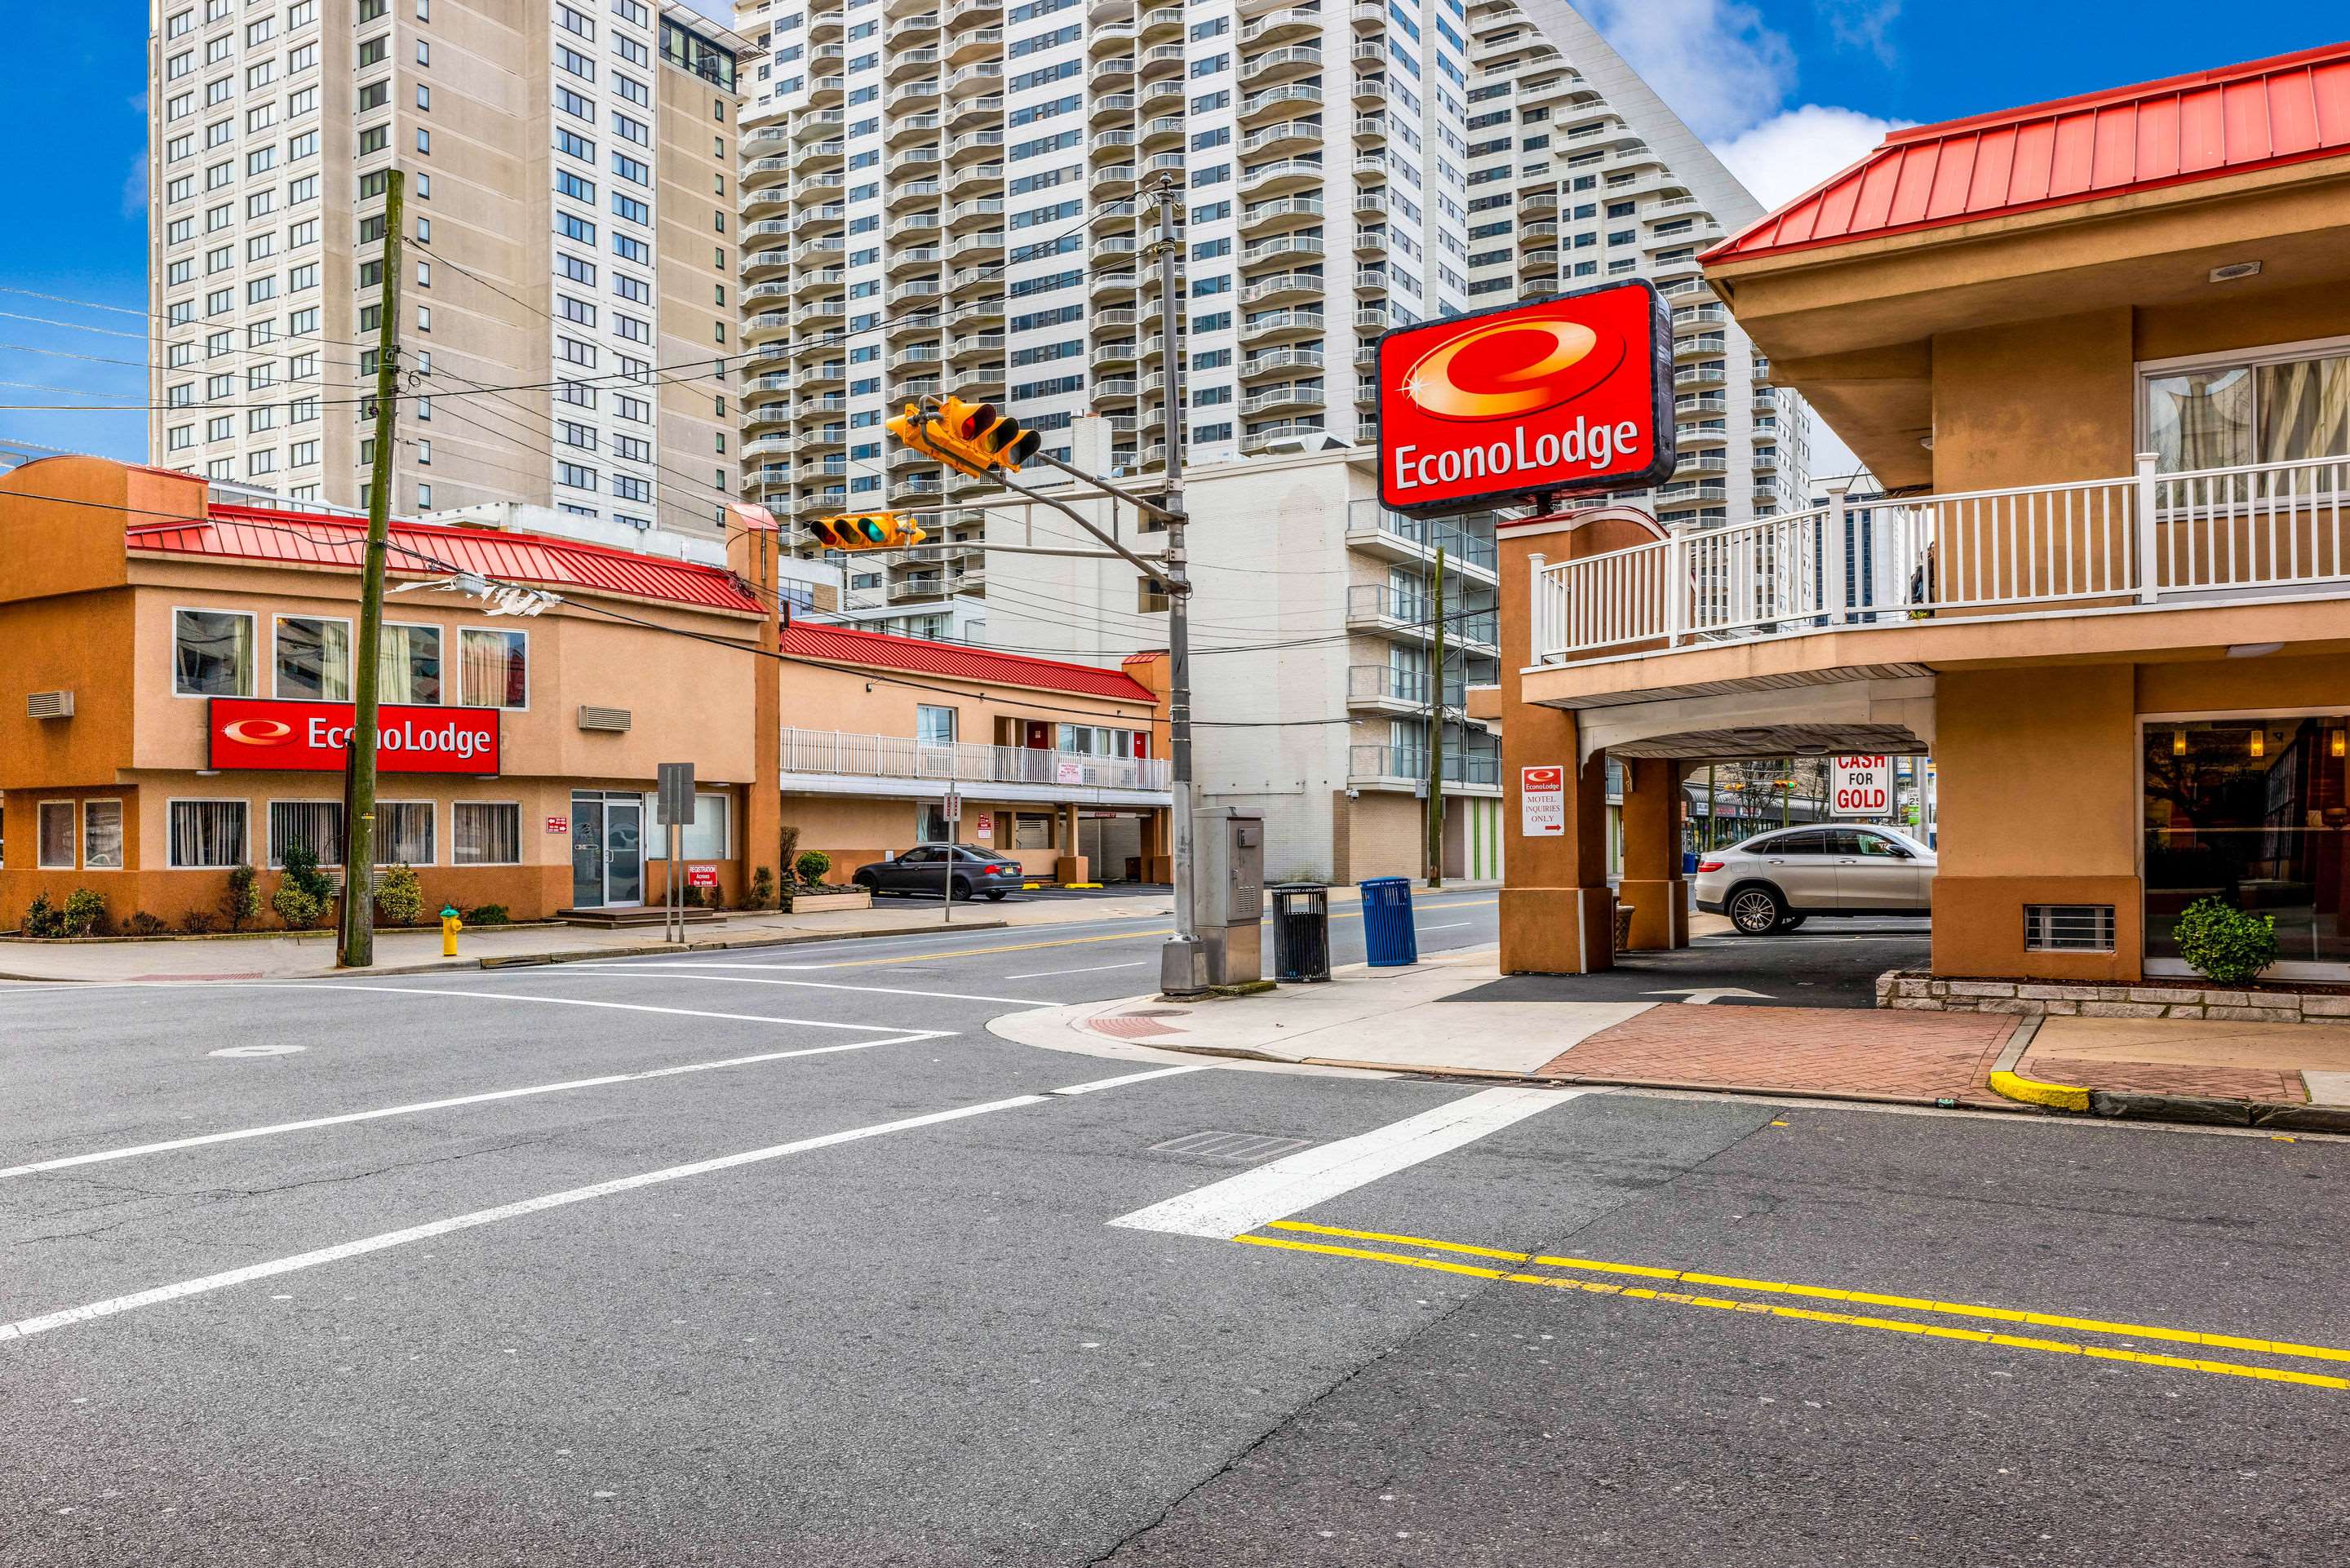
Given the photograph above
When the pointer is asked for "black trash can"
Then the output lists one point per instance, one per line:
(1301, 930)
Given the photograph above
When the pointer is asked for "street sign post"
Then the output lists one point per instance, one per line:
(954, 813)
(674, 808)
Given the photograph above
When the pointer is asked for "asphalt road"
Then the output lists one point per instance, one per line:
(1828, 963)
(846, 1281)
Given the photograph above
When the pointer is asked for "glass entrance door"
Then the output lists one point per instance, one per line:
(586, 852)
(608, 851)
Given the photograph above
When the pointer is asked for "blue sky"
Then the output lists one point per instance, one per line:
(1787, 90)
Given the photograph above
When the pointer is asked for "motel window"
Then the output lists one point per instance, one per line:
(54, 842)
(315, 823)
(933, 725)
(207, 834)
(2283, 407)
(706, 838)
(407, 664)
(101, 834)
(486, 834)
(495, 667)
(212, 653)
(403, 833)
(314, 658)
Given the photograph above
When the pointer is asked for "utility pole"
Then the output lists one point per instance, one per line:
(357, 933)
(1182, 961)
(1436, 736)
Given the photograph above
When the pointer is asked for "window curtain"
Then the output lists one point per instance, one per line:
(214, 653)
(101, 834)
(492, 669)
(2305, 410)
(407, 665)
(2203, 419)
(207, 832)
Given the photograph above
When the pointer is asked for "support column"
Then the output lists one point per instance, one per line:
(754, 555)
(1071, 866)
(1653, 884)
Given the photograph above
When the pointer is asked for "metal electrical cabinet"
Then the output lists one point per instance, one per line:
(1228, 891)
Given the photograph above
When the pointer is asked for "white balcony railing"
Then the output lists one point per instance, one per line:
(2149, 538)
(833, 753)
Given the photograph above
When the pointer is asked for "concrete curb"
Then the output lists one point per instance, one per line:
(2031, 1092)
(2122, 1105)
(577, 955)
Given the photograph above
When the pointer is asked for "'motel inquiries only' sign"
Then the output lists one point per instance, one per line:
(1562, 394)
(315, 737)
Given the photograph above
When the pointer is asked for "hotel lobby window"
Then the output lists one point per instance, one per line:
(2255, 810)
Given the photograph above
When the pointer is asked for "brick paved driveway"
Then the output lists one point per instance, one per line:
(1914, 1056)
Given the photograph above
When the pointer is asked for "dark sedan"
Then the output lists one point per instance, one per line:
(977, 872)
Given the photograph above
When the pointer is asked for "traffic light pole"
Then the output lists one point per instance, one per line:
(1182, 963)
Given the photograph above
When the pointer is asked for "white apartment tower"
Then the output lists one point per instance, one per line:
(570, 247)
(951, 196)
(1580, 175)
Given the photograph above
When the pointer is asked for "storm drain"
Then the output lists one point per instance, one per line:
(1233, 1148)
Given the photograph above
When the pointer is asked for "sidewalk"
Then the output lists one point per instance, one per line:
(312, 953)
(1408, 1020)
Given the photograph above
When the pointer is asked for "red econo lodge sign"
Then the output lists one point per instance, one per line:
(1564, 394)
(315, 737)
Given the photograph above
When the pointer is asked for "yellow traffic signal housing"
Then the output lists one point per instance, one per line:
(974, 437)
(869, 531)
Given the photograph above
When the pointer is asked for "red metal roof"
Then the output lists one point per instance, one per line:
(844, 645)
(261, 534)
(2287, 110)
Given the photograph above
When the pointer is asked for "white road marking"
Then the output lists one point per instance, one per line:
(1092, 969)
(684, 971)
(1451, 926)
(1135, 1078)
(250, 1050)
(566, 1002)
(1700, 997)
(238, 1135)
(1299, 1181)
(26, 1328)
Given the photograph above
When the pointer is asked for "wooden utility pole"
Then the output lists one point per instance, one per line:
(1436, 735)
(358, 950)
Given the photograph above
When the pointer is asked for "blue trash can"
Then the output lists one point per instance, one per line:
(1389, 939)
(1689, 862)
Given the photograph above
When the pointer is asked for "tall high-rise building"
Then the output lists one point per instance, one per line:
(571, 244)
(951, 196)
(1580, 175)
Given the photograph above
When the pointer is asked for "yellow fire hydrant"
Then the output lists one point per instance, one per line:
(449, 926)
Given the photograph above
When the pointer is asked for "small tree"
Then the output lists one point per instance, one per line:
(306, 895)
(763, 889)
(85, 912)
(399, 901)
(241, 904)
(2223, 943)
(43, 919)
(811, 866)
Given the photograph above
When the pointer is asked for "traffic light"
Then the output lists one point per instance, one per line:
(869, 531)
(975, 437)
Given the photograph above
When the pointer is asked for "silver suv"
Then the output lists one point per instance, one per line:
(1775, 880)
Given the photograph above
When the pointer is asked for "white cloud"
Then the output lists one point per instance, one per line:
(1790, 152)
(1712, 60)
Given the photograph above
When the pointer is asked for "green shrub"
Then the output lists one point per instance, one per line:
(811, 866)
(85, 912)
(200, 922)
(43, 919)
(241, 904)
(2225, 944)
(763, 889)
(399, 901)
(306, 896)
(296, 908)
(143, 924)
(488, 915)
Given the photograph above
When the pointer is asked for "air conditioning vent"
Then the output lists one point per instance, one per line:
(591, 718)
(2068, 928)
(49, 705)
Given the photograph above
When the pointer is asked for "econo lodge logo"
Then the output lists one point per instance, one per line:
(257, 732)
(1555, 395)
(301, 736)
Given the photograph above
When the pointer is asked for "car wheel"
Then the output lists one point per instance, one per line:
(995, 894)
(865, 880)
(1756, 911)
(963, 889)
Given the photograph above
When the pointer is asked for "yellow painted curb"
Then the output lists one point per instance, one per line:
(2056, 1097)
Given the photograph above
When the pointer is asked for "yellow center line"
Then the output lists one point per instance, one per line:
(1862, 1298)
(1805, 1314)
(1075, 941)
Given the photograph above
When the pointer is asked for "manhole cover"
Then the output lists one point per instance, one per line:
(1233, 1148)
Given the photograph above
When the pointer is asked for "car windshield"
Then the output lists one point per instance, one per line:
(962, 851)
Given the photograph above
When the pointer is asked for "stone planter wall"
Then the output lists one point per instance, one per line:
(2154, 999)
